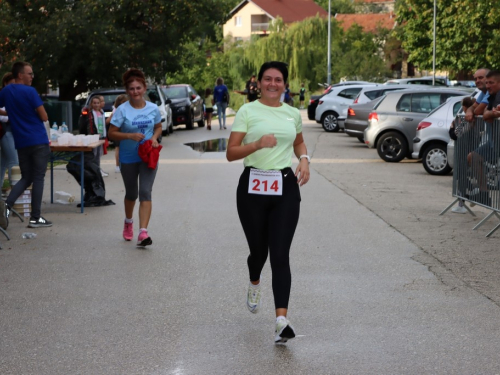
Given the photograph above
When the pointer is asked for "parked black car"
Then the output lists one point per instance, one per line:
(311, 108)
(187, 105)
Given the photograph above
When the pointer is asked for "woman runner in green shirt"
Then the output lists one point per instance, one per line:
(266, 134)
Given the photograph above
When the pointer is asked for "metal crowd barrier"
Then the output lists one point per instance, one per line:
(476, 169)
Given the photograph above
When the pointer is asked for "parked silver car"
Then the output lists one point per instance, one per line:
(392, 124)
(332, 108)
(439, 81)
(357, 113)
(357, 118)
(370, 93)
(157, 96)
(432, 137)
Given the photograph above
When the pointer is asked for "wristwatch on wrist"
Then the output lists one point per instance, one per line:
(305, 156)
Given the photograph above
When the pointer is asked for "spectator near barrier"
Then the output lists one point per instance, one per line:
(466, 104)
(487, 151)
(481, 102)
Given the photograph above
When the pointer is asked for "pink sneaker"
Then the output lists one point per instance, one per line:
(128, 231)
(144, 239)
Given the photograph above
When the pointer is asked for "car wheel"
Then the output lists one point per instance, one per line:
(392, 147)
(160, 138)
(361, 139)
(190, 121)
(164, 132)
(201, 122)
(435, 160)
(330, 123)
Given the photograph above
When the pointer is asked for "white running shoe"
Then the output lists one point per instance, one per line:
(284, 331)
(117, 169)
(459, 210)
(104, 174)
(254, 298)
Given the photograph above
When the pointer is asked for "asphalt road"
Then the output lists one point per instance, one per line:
(381, 283)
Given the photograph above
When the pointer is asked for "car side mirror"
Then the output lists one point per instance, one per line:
(168, 101)
(158, 102)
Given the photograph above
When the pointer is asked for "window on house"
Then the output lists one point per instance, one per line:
(237, 21)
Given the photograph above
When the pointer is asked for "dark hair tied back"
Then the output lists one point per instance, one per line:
(133, 75)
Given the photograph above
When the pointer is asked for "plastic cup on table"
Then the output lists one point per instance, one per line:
(79, 139)
(63, 140)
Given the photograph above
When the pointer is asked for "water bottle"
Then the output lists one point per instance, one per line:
(28, 235)
(64, 127)
(54, 126)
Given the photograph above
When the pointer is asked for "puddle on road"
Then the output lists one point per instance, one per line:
(212, 145)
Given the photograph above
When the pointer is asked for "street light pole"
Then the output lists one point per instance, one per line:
(434, 48)
(329, 63)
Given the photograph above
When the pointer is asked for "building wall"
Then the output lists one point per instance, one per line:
(243, 32)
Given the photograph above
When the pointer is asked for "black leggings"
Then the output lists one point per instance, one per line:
(269, 224)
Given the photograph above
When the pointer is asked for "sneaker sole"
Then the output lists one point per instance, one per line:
(145, 242)
(39, 225)
(286, 334)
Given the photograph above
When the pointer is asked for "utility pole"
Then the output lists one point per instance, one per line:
(434, 49)
(329, 77)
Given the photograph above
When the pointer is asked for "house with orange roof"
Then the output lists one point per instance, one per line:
(369, 22)
(253, 17)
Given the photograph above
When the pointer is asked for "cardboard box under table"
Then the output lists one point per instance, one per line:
(65, 153)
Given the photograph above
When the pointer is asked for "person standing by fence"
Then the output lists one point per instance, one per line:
(488, 150)
(481, 102)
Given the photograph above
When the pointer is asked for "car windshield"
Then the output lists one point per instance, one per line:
(436, 109)
(381, 100)
(110, 98)
(175, 92)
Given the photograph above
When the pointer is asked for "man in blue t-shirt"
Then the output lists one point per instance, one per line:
(26, 115)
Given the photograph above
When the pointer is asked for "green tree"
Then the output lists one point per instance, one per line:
(84, 44)
(355, 55)
(466, 33)
(338, 6)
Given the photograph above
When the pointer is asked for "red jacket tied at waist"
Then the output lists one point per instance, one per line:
(149, 154)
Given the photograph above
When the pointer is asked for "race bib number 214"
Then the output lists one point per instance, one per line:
(265, 182)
